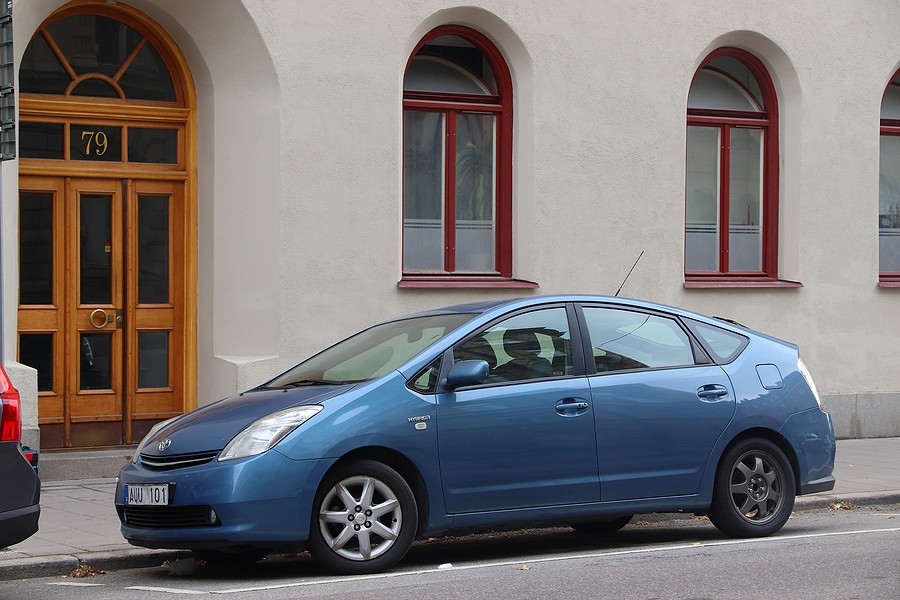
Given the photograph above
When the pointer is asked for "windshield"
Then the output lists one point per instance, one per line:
(371, 353)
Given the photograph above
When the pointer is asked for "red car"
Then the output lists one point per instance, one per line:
(20, 497)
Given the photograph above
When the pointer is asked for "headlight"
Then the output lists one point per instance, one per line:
(150, 434)
(268, 431)
(804, 370)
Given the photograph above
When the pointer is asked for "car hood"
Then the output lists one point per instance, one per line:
(209, 428)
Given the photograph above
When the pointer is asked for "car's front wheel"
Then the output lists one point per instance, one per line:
(754, 490)
(364, 518)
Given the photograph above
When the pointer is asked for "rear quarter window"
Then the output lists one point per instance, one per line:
(723, 345)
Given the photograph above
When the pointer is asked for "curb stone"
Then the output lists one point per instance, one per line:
(60, 565)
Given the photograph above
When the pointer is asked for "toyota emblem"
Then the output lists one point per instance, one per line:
(164, 445)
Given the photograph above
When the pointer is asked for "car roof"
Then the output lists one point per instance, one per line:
(506, 304)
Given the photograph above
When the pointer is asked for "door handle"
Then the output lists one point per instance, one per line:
(712, 391)
(99, 319)
(569, 407)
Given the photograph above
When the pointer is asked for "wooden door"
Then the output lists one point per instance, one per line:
(101, 305)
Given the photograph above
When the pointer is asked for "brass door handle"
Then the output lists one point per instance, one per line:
(97, 323)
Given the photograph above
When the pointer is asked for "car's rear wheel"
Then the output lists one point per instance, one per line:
(232, 558)
(603, 527)
(754, 490)
(364, 518)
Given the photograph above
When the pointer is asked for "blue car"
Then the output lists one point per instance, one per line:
(575, 410)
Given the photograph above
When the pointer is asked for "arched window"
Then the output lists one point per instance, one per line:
(889, 186)
(731, 204)
(457, 161)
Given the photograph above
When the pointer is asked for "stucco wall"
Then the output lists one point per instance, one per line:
(299, 181)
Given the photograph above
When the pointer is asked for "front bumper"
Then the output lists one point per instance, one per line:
(265, 500)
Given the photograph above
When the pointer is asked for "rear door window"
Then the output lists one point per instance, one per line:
(625, 340)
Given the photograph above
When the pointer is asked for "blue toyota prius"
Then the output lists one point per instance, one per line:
(574, 410)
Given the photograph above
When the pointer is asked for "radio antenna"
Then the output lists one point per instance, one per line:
(629, 272)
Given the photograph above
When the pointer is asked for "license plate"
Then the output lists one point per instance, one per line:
(147, 495)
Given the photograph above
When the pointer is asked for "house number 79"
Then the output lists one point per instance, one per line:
(95, 142)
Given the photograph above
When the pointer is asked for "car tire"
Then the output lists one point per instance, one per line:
(232, 558)
(604, 527)
(753, 494)
(364, 519)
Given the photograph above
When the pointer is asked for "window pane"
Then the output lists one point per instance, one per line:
(94, 44)
(96, 359)
(96, 249)
(95, 87)
(153, 359)
(35, 248)
(726, 84)
(153, 254)
(40, 71)
(423, 191)
(745, 201)
(41, 140)
(890, 104)
(528, 346)
(432, 74)
(623, 340)
(701, 239)
(475, 197)
(148, 78)
(450, 63)
(36, 351)
(158, 146)
(95, 142)
(725, 345)
(889, 206)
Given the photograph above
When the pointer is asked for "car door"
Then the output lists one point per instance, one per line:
(659, 403)
(525, 438)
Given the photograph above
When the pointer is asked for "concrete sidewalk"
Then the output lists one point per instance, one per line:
(79, 525)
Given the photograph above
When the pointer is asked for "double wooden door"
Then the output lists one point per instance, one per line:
(102, 305)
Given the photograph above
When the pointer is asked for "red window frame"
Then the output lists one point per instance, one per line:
(767, 122)
(452, 104)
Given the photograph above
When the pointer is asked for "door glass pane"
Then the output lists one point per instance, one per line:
(95, 142)
(96, 249)
(889, 206)
(745, 201)
(701, 236)
(423, 191)
(35, 248)
(153, 252)
(36, 351)
(475, 192)
(622, 340)
(532, 345)
(153, 359)
(96, 361)
(146, 145)
(41, 140)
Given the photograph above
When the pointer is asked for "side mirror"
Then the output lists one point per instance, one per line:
(467, 372)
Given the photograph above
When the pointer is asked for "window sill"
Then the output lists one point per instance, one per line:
(709, 283)
(889, 283)
(463, 282)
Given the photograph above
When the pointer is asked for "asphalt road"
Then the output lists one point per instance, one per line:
(820, 554)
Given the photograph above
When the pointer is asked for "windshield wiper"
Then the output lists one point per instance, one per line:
(304, 382)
